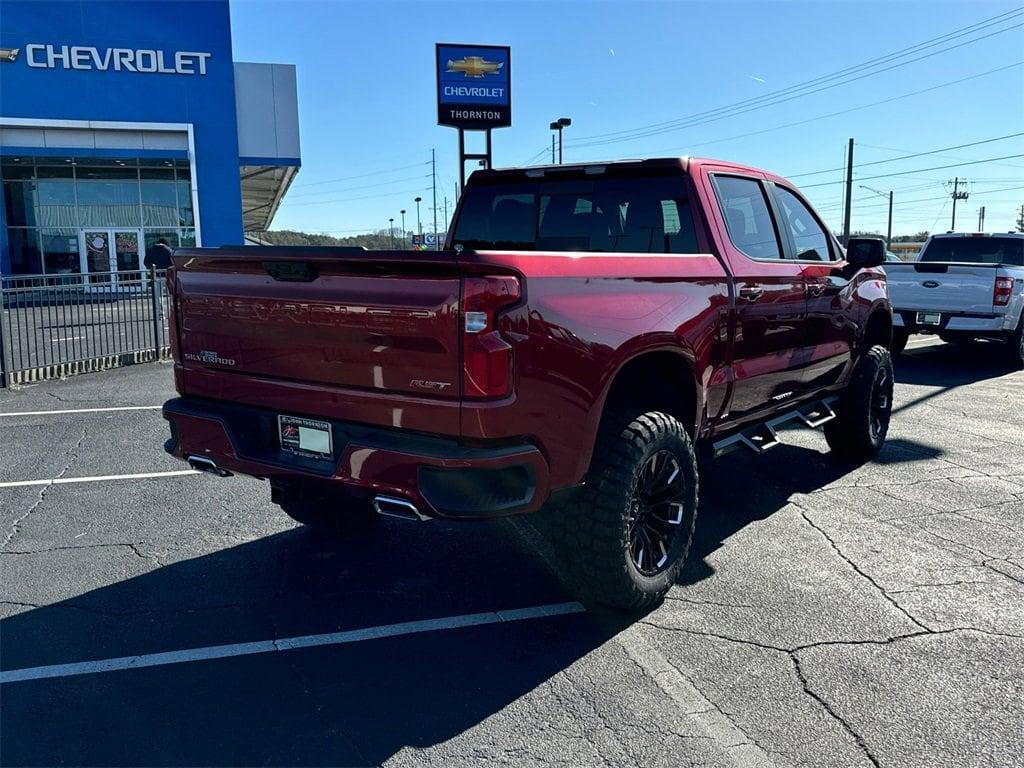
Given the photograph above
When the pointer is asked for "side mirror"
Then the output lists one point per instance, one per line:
(865, 252)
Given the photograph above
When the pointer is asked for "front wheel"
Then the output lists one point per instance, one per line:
(900, 337)
(865, 408)
(623, 537)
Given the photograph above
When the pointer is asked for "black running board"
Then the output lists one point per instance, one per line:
(760, 437)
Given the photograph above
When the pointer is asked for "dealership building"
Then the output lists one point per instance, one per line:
(126, 123)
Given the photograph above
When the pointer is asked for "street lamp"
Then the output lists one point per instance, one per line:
(419, 224)
(559, 125)
(888, 235)
(391, 227)
(403, 227)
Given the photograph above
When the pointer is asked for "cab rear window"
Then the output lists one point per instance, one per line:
(613, 215)
(976, 250)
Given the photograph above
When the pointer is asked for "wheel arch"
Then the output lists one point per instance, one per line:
(661, 378)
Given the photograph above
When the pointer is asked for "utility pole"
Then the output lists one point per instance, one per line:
(446, 214)
(403, 228)
(1020, 220)
(391, 225)
(981, 219)
(888, 232)
(433, 176)
(957, 195)
(849, 193)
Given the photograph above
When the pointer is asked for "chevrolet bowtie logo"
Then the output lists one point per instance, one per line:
(474, 66)
(10, 54)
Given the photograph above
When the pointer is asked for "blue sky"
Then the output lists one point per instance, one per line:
(368, 110)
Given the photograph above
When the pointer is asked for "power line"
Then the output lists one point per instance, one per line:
(350, 199)
(845, 111)
(362, 186)
(363, 175)
(768, 100)
(907, 157)
(918, 170)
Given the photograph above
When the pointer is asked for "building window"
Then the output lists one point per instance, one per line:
(49, 202)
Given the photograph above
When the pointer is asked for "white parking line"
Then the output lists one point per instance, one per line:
(98, 478)
(287, 644)
(12, 414)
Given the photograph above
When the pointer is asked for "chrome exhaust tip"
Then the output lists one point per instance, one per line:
(203, 464)
(389, 506)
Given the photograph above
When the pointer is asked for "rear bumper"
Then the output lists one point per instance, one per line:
(953, 321)
(440, 476)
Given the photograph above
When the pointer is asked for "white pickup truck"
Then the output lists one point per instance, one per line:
(962, 287)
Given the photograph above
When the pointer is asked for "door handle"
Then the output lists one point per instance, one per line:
(750, 293)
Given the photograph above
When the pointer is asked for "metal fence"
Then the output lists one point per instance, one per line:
(60, 325)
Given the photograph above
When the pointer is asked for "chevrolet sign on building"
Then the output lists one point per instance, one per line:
(124, 124)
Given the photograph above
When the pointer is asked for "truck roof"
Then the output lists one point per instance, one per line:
(684, 163)
(976, 234)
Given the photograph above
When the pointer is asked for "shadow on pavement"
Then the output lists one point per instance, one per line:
(949, 366)
(742, 488)
(355, 704)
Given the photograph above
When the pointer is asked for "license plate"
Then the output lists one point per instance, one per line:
(305, 437)
(929, 318)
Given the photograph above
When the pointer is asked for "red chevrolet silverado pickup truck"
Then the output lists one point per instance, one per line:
(587, 331)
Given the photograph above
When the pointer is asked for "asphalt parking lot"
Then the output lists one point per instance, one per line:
(830, 615)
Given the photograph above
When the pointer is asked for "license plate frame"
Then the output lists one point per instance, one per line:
(309, 438)
(929, 318)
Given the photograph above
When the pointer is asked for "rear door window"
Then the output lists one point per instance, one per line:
(976, 250)
(615, 215)
(747, 216)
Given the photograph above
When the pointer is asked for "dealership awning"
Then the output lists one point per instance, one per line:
(263, 186)
(266, 104)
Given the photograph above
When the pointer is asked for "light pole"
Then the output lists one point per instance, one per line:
(559, 125)
(419, 224)
(403, 227)
(888, 235)
(391, 227)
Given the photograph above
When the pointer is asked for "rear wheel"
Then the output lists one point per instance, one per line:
(1015, 344)
(323, 508)
(624, 536)
(865, 408)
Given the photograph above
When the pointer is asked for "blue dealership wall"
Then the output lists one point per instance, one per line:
(207, 101)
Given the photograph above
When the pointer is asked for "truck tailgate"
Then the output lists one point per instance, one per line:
(937, 286)
(365, 321)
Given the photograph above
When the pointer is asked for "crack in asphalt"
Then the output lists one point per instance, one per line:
(881, 590)
(809, 691)
(43, 490)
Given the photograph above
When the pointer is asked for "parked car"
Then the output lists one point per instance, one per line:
(963, 287)
(587, 331)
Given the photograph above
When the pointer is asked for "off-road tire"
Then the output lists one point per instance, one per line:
(900, 337)
(865, 408)
(325, 510)
(591, 529)
(1015, 344)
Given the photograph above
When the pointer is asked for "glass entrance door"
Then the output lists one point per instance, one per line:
(111, 257)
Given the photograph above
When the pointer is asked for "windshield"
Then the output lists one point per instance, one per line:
(610, 215)
(976, 250)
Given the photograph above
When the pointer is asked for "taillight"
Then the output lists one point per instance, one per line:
(1002, 291)
(486, 356)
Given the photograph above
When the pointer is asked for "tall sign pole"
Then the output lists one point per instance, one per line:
(433, 177)
(849, 193)
(474, 93)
